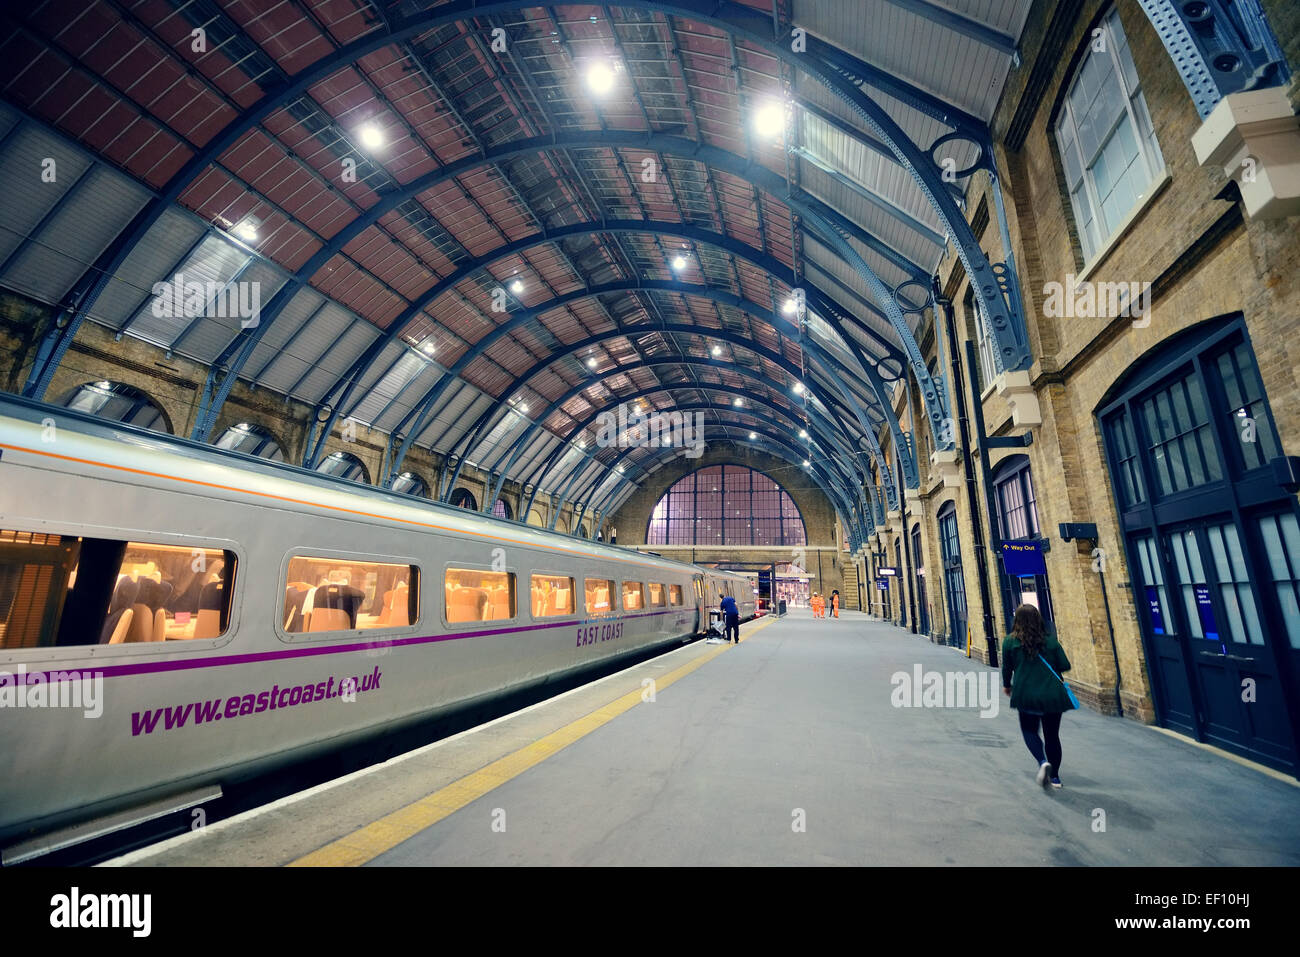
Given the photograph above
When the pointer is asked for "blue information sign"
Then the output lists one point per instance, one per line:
(1023, 559)
(882, 584)
(1206, 609)
(1157, 616)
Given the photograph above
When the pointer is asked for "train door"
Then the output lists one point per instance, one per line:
(701, 613)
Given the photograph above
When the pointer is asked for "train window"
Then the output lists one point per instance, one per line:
(674, 594)
(656, 595)
(475, 595)
(66, 590)
(344, 594)
(633, 596)
(552, 595)
(599, 592)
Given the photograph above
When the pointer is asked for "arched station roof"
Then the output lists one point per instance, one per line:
(459, 240)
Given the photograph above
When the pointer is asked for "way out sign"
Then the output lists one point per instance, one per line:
(1023, 559)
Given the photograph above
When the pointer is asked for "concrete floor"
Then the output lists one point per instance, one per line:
(795, 724)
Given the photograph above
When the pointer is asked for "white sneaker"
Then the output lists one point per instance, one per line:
(1044, 773)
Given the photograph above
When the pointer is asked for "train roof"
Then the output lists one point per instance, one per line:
(160, 456)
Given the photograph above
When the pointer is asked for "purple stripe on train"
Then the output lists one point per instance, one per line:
(153, 667)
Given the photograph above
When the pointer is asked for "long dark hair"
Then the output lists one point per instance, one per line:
(1029, 630)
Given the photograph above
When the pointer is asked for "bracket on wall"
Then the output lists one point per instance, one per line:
(1009, 441)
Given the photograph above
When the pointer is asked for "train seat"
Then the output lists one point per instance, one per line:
(211, 601)
(466, 604)
(398, 608)
(119, 626)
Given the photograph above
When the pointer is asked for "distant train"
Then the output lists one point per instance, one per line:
(175, 616)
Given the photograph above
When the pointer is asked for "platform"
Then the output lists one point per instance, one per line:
(740, 746)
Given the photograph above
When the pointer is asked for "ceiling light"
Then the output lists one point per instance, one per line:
(620, 468)
(428, 348)
(600, 78)
(516, 287)
(789, 307)
(591, 363)
(803, 433)
(770, 119)
(716, 350)
(523, 407)
(798, 388)
(738, 402)
(582, 443)
(103, 384)
(679, 263)
(246, 229)
(807, 464)
(371, 136)
(753, 435)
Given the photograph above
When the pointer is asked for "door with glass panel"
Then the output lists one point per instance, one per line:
(1233, 667)
(1212, 542)
(954, 581)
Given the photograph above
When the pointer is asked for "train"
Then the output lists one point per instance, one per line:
(176, 617)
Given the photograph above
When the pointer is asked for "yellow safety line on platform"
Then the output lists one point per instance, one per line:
(367, 843)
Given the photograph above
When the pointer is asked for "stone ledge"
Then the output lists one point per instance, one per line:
(1254, 137)
(1017, 390)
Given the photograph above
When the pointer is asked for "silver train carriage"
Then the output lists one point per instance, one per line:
(173, 616)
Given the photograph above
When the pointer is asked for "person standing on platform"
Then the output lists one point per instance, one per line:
(731, 616)
(835, 602)
(818, 605)
(1032, 664)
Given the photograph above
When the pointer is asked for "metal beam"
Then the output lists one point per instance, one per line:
(486, 423)
(820, 430)
(959, 23)
(837, 69)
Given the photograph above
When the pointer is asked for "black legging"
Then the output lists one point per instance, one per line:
(1051, 733)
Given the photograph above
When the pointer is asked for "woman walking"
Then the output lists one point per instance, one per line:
(1032, 664)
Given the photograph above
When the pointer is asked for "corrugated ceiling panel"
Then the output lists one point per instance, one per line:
(100, 205)
(409, 397)
(459, 413)
(540, 446)
(166, 316)
(392, 368)
(336, 359)
(277, 336)
(152, 260)
(254, 289)
(21, 163)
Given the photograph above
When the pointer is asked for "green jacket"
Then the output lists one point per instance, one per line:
(1033, 687)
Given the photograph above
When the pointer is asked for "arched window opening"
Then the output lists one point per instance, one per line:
(464, 498)
(250, 440)
(344, 465)
(1013, 495)
(501, 509)
(117, 402)
(408, 483)
(726, 505)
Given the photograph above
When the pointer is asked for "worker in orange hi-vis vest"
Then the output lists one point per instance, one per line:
(818, 605)
(835, 603)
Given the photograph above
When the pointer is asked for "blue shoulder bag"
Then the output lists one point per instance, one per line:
(1074, 702)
